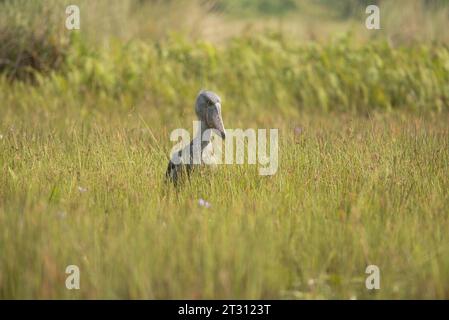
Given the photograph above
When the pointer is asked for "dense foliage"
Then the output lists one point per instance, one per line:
(264, 71)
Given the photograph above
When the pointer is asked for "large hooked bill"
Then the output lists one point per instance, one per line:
(215, 121)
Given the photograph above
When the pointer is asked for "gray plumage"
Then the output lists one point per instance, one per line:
(208, 111)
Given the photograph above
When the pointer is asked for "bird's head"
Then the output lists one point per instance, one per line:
(208, 110)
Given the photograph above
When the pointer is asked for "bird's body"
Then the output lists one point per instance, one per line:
(200, 150)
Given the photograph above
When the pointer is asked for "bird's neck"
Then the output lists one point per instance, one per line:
(203, 135)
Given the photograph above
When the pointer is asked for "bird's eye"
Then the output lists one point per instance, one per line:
(210, 103)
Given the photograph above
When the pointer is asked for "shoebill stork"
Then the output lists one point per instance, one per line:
(208, 111)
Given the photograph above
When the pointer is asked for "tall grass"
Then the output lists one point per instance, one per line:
(362, 178)
(31, 37)
(350, 191)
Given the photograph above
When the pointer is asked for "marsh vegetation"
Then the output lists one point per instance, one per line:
(85, 119)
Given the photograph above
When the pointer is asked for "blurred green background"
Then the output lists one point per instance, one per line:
(85, 121)
(313, 54)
